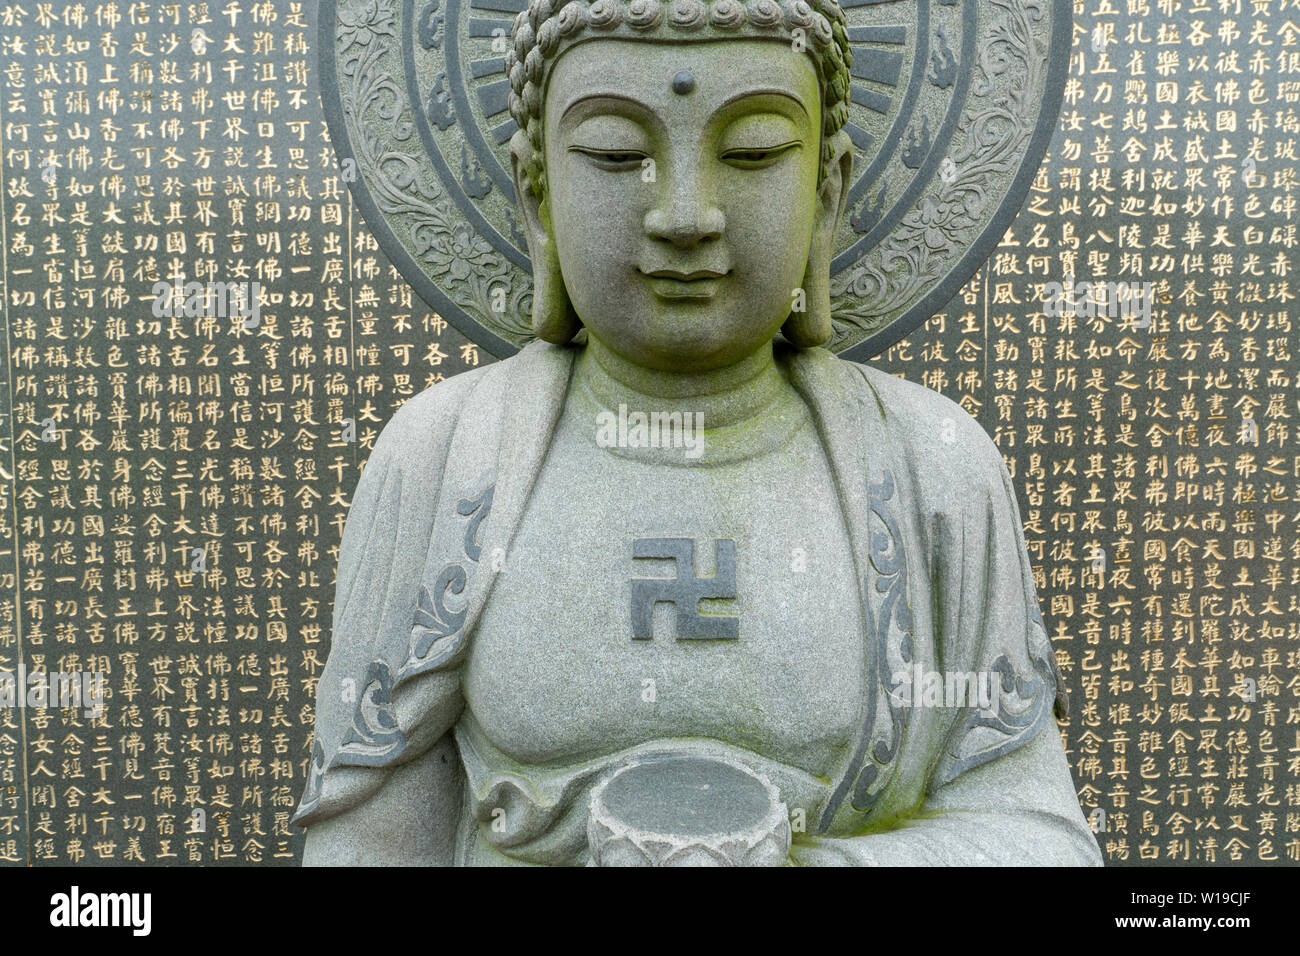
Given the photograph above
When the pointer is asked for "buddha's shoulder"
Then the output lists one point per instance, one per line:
(914, 412)
(942, 442)
(425, 420)
(538, 366)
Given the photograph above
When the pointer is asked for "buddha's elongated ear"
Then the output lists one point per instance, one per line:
(553, 317)
(812, 326)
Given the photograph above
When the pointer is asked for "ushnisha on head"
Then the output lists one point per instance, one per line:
(694, 146)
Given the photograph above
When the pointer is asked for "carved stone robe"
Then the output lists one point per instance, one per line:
(944, 585)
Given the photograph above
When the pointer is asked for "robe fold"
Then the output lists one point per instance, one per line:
(944, 584)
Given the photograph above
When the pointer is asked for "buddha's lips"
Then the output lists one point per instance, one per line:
(684, 276)
(670, 284)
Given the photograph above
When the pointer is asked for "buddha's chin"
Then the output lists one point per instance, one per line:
(688, 343)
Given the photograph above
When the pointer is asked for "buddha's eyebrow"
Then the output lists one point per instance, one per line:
(775, 91)
(641, 107)
(587, 97)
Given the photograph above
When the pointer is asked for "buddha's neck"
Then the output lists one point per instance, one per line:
(725, 396)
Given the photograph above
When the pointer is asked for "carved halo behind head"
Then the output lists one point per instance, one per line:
(950, 109)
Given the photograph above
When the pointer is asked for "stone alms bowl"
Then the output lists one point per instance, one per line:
(685, 810)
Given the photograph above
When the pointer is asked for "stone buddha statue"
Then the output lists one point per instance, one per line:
(675, 527)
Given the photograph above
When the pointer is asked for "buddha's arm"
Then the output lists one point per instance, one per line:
(1019, 809)
(404, 814)
(408, 819)
(386, 780)
(1000, 790)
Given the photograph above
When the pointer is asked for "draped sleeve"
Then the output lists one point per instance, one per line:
(1000, 791)
(988, 622)
(362, 731)
(969, 767)
(420, 546)
(975, 608)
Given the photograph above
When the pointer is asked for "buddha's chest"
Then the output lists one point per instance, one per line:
(641, 602)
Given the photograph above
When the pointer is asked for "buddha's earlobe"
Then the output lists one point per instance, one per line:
(811, 326)
(553, 317)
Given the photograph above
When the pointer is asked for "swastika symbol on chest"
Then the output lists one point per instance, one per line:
(685, 590)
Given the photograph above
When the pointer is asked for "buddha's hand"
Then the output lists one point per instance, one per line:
(679, 810)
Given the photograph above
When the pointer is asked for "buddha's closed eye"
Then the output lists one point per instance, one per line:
(755, 157)
(615, 159)
(758, 156)
(757, 140)
(618, 143)
(611, 142)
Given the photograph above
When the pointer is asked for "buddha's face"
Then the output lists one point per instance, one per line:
(682, 193)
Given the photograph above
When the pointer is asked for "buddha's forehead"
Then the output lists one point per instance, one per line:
(644, 71)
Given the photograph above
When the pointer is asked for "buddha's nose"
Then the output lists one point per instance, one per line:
(684, 216)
